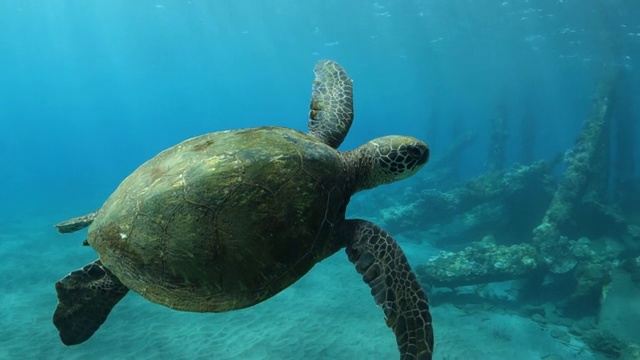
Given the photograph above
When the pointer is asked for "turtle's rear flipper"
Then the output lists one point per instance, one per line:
(77, 223)
(393, 285)
(85, 298)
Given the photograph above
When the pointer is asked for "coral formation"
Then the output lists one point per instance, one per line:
(433, 206)
(561, 219)
(580, 161)
(479, 263)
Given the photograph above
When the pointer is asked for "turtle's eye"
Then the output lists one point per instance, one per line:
(415, 155)
(414, 152)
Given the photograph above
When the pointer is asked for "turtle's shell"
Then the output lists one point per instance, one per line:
(223, 220)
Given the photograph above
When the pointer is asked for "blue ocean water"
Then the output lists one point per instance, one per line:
(90, 90)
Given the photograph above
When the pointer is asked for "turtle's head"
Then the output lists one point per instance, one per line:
(387, 159)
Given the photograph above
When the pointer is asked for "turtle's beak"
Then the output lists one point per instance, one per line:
(425, 155)
(419, 153)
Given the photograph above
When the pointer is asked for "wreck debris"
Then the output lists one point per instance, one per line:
(581, 162)
(576, 208)
(433, 206)
(479, 263)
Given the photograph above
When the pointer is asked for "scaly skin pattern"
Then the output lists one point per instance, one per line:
(384, 160)
(394, 287)
(77, 223)
(331, 113)
(77, 319)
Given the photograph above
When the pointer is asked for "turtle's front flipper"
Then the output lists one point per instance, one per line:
(77, 223)
(85, 298)
(393, 285)
(331, 112)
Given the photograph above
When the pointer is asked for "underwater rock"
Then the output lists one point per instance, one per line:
(479, 263)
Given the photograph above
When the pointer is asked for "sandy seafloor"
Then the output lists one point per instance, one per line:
(329, 314)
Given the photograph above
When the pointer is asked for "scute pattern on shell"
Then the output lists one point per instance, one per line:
(224, 220)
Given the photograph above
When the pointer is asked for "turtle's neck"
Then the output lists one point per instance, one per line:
(359, 165)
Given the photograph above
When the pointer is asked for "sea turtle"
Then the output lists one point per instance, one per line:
(225, 220)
